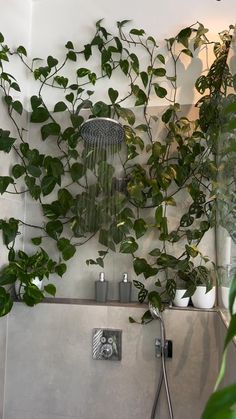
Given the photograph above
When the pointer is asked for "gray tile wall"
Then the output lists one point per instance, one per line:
(50, 372)
(3, 331)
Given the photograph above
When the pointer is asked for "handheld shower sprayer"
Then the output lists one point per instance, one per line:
(156, 314)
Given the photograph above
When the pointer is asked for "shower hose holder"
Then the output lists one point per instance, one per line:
(168, 348)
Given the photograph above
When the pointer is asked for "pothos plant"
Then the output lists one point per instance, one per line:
(157, 168)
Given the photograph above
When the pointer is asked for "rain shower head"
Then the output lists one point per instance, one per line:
(154, 312)
(102, 132)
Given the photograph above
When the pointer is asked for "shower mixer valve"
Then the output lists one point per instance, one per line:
(107, 344)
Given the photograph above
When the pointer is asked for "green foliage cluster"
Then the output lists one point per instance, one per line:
(183, 162)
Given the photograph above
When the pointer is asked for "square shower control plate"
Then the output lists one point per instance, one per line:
(107, 344)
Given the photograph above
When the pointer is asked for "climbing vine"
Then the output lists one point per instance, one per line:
(165, 157)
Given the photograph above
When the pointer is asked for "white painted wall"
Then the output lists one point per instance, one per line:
(75, 19)
(15, 24)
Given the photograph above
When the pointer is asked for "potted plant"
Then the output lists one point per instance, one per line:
(180, 300)
(205, 291)
(25, 274)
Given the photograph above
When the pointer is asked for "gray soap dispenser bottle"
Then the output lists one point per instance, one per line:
(125, 289)
(101, 288)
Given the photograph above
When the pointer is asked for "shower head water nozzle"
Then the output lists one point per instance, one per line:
(155, 312)
(102, 132)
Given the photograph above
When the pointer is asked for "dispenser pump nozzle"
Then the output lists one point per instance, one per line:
(102, 276)
(125, 277)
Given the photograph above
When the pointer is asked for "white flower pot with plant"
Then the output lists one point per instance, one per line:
(205, 291)
(180, 300)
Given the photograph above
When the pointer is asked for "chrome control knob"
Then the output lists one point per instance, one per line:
(106, 351)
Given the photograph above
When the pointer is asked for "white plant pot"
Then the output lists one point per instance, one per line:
(179, 301)
(19, 287)
(201, 299)
(225, 298)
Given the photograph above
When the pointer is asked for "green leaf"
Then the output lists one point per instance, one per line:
(33, 170)
(5, 181)
(51, 61)
(71, 55)
(187, 52)
(159, 216)
(101, 109)
(138, 32)
(65, 200)
(7, 276)
(159, 72)
(82, 72)
(128, 245)
(48, 184)
(70, 97)
(171, 288)
(126, 114)
(144, 77)
(192, 250)
(160, 91)
(142, 267)
(17, 171)
(183, 36)
(232, 295)
(39, 115)
(35, 102)
(9, 230)
(6, 142)
(139, 285)
(60, 107)
(155, 252)
(106, 56)
(124, 65)
(166, 116)
(87, 51)
(50, 289)
(62, 81)
(60, 269)
(34, 292)
(161, 58)
(77, 171)
(69, 45)
(220, 403)
(134, 63)
(113, 94)
(140, 227)
(6, 302)
(22, 50)
(155, 299)
(68, 250)
(50, 129)
(54, 229)
(36, 240)
(142, 295)
(15, 86)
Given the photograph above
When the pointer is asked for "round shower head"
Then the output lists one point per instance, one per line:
(102, 132)
(154, 312)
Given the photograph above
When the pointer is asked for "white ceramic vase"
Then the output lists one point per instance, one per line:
(179, 301)
(201, 299)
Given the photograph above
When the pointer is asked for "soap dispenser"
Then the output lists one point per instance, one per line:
(125, 289)
(101, 288)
